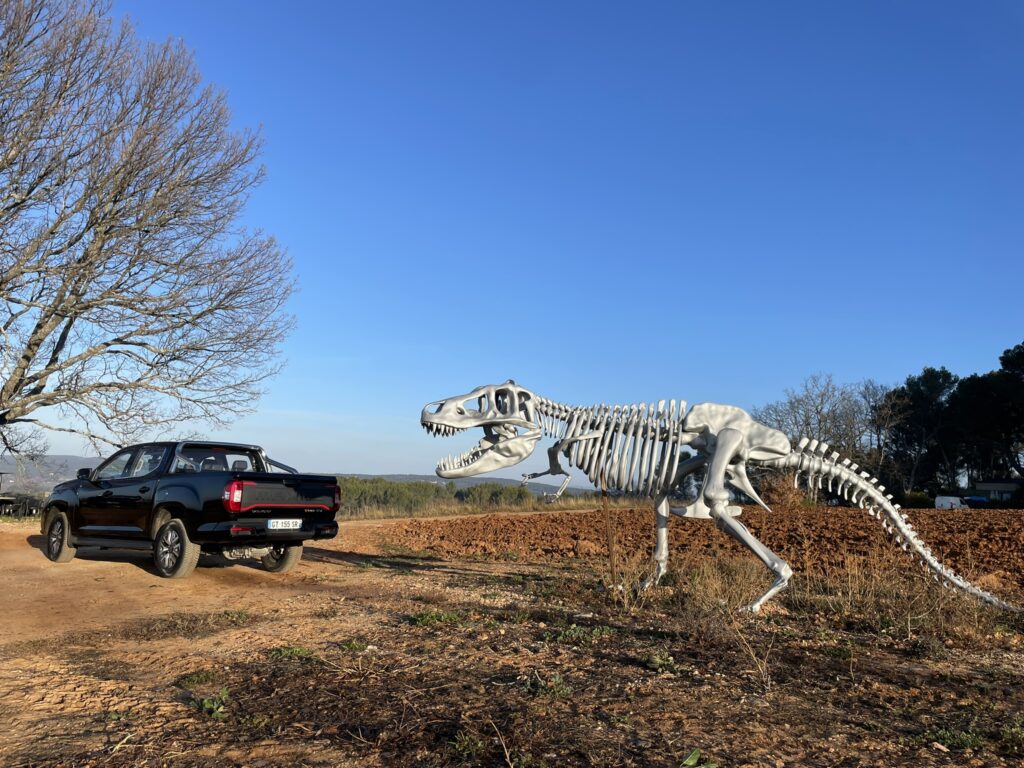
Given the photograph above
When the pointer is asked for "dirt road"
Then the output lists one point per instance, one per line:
(102, 639)
(102, 587)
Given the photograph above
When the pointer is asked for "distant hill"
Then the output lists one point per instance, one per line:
(41, 475)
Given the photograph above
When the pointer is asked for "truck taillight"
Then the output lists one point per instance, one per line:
(337, 499)
(233, 496)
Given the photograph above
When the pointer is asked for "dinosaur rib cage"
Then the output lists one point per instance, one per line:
(638, 448)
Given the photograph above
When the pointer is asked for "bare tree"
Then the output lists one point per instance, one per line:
(824, 410)
(821, 409)
(885, 409)
(131, 298)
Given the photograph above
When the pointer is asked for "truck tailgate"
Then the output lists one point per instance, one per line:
(267, 493)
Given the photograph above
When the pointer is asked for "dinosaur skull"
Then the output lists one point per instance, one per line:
(508, 418)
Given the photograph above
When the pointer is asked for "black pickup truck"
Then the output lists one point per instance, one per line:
(180, 499)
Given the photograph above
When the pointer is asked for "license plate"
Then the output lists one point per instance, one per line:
(284, 525)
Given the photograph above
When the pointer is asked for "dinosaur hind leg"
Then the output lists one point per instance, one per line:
(662, 513)
(779, 567)
(716, 496)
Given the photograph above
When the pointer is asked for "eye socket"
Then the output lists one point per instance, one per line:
(525, 406)
(501, 401)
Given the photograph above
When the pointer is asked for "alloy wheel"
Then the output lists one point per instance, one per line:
(56, 538)
(169, 549)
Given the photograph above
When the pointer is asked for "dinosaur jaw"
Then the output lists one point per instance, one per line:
(507, 416)
(503, 445)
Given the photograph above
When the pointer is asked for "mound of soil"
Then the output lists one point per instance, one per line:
(985, 545)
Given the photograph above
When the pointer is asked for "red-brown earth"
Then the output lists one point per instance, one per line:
(501, 640)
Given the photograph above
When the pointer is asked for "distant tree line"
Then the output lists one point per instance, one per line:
(360, 493)
(934, 432)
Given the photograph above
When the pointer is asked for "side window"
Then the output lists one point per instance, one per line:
(116, 466)
(216, 458)
(148, 460)
(189, 460)
(240, 462)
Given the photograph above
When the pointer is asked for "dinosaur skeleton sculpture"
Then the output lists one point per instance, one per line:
(649, 450)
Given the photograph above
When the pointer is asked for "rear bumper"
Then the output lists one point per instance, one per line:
(253, 531)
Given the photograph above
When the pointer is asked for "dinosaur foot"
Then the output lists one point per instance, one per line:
(780, 583)
(652, 579)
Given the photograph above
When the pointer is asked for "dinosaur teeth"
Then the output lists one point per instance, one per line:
(442, 430)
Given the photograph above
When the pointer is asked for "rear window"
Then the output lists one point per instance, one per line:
(217, 458)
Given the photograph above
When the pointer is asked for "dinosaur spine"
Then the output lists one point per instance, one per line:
(844, 479)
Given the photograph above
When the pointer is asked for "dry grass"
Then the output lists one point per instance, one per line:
(778, 489)
(874, 593)
(880, 593)
(869, 597)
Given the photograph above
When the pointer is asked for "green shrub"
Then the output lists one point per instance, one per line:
(495, 495)
(918, 500)
(358, 493)
(367, 493)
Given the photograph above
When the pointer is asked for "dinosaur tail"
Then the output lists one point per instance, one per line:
(841, 477)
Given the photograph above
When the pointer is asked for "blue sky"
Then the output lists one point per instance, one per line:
(617, 202)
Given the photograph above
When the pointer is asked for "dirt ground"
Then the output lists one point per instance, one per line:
(501, 640)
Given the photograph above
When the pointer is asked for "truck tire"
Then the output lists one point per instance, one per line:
(57, 547)
(282, 558)
(174, 554)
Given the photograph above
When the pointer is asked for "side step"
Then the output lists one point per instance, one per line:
(99, 541)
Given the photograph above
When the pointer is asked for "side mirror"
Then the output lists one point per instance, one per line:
(83, 473)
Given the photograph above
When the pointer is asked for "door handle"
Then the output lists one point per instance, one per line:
(108, 493)
(144, 489)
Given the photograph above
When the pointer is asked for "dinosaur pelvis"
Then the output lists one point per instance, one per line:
(699, 509)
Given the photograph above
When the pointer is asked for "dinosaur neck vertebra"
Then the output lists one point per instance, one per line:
(637, 448)
(843, 478)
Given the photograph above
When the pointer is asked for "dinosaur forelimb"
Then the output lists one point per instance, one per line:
(549, 497)
(555, 466)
